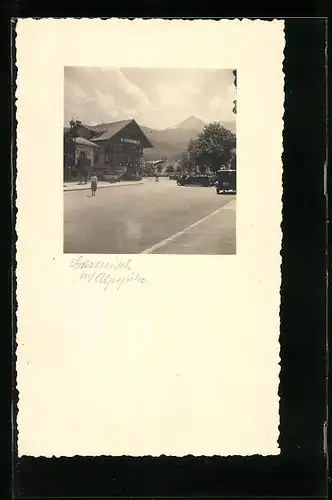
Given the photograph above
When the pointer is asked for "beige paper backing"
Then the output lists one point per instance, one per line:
(187, 363)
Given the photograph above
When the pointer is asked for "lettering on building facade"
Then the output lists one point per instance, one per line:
(129, 141)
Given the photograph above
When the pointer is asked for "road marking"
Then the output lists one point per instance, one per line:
(184, 231)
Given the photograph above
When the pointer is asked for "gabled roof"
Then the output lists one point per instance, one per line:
(107, 130)
(95, 128)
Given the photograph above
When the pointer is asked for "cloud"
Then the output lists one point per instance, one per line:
(89, 107)
(134, 95)
(105, 103)
(158, 98)
(177, 94)
(131, 113)
(216, 104)
(188, 89)
(102, 94)
(221, 108)
(231, 89)
(169, 96)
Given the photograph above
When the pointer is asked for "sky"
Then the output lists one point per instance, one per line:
(157, 98)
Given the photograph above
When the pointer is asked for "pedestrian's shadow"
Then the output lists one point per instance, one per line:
(89, 196)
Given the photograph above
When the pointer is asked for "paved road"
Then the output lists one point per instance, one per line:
(152, 217)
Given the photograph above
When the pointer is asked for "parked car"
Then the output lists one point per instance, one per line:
(225, 181)
(172, 176)
(195, 180)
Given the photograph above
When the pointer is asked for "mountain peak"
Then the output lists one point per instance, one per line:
(191, 123)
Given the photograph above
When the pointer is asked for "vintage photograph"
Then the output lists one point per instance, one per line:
(149, 161)
(135, 253)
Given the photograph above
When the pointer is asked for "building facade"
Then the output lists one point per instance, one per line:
(119, 147)
(79, 158)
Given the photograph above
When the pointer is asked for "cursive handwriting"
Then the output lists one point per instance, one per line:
(80, 263)
(113, 274)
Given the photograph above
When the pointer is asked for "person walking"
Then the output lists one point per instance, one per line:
(94, 183)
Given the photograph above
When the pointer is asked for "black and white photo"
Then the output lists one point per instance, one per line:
(149, 161)
(149, 230)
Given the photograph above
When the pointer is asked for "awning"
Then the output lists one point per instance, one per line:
(154, 163)
(84, 142)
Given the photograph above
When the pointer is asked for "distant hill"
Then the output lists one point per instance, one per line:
(171, 142)
(168, 143)
(191, 123)
(194, 123)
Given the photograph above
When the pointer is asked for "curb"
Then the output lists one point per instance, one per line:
(102, 187)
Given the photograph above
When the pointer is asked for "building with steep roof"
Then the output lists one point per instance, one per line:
(120, 146)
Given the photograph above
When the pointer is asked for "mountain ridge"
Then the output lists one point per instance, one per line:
(191, 123)
(172, 142)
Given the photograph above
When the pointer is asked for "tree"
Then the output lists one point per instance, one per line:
(148, 169)
(183, 163)
(187, 161)
(169, 169)
(177, 166)
(232, 162)
(212, 148)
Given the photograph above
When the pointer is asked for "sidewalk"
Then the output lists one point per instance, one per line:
(74, 186)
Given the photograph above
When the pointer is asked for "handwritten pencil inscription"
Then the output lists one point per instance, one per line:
(115, 274)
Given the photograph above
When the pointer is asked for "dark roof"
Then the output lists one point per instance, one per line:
(109, 129)
(95, 128)
(105, 131)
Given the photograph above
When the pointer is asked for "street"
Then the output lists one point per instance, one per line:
(159, 218)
